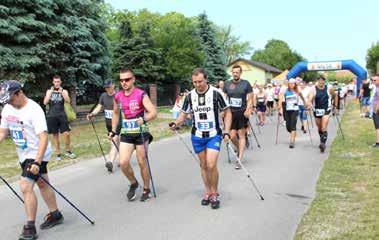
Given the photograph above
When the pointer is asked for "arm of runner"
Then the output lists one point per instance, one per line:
(249, 106)
(181, 118)
(49, 92)
(3, 133)
(65, 96)
(310, 99)
(115, 116)
(280, 103)
(227, 120)
(94, 111)
(151, 111)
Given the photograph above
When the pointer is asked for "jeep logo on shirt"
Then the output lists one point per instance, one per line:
(202, 109)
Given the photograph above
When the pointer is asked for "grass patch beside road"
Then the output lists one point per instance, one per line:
(84, 144)
(347, 201)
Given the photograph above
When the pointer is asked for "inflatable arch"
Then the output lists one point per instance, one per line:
(351, 65)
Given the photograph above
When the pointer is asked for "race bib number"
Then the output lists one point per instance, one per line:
(130, 125)
(108, 114)
(320, 112)
(18, 137)
(292, 103)
(204, 126)
(235, 102)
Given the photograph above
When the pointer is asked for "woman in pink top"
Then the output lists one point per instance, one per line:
(137, 110)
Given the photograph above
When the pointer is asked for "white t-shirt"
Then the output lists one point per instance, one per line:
(24, 126)
(270, 94)
(305, 93)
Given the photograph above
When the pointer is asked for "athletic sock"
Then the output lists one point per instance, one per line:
(31, 223)
(320, 133)
(324, 136)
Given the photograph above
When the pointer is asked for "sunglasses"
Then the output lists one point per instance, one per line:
(125, 79)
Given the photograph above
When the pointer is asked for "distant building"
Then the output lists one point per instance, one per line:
(253, 71)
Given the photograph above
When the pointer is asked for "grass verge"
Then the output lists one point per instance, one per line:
(347, 200)
(84, 144)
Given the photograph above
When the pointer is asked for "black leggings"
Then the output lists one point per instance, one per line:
(291, 120)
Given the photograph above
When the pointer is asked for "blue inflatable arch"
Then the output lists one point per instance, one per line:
(351, 65)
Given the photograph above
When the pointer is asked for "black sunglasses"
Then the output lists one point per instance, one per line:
(125, 79)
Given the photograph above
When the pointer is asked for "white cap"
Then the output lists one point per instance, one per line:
(292, 80)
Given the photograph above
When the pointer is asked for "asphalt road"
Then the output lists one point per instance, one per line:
(286, 177)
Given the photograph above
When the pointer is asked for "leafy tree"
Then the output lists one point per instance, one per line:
(372, 58)
(277, 53)
(232, 46)
(214, 57)
(137, 51)
(44, 37)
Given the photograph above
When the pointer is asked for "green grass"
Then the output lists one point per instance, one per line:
(347, 201)
(164, 109)
(84, 144)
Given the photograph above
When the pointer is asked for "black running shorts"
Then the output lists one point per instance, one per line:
(136, 138)
(291, 120)
(57, 124)
(375, 118)
(27, 174)
(239, 121)
(270, 104)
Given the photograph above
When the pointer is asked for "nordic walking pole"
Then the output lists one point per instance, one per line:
(147, 161)
(277, 129)
(259, 127)
(255, 136)
(247, 173)
(68, 201)
(309, 130)
(311, 117)
(185, 144)
(98, 140)
(115, 145)
(227, 150)
(9, 186)
(339, 126)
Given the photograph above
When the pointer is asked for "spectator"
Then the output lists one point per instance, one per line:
(375, 107)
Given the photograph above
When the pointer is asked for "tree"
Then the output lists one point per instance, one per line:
(45, 37)
(137, 51)
(372, 58)
(214, 57)
(232, 46)
(277, 53)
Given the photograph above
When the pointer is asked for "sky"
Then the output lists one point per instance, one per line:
(322, 30)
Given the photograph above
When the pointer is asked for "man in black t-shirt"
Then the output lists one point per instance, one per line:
(364, 96)
(240, 95)
(106, 103)
(56, 117)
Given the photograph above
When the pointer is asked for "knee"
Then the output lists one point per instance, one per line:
(211, 166)
(26, 187)
(41, 185)
(66, 134)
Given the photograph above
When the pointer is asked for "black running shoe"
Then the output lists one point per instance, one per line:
(28, 233)
(215, 202)
(131, 195)
(145, 195)
(292, 145)
(51, 220)
(322, 147)
(109, 166)
(205, 201)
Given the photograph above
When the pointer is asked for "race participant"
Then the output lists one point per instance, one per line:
(375, 109)
(304, 89)
(205, 103)
(261, 101)
(57, 121)
(270, 99)
(106, 103)
(137, 109)
(239, 93)
(289, 99)
(24, 120)
(320, 100)
(364, 95)
(276, 95)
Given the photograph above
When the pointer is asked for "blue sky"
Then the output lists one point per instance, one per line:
(319, 30)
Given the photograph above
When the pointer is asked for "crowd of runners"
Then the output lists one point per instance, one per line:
(224, 112)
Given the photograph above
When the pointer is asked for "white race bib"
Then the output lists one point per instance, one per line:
(18, 137)
(108, 114)
(204, 126)
(291, 103)
(130, 125)
(320, 112)
(235, 102)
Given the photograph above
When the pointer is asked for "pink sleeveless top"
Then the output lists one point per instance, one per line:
(131, 105)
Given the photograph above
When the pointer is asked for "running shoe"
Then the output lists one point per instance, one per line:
(28, 233)
(70, 154)
(131, 195)
(145, 195)
(205, 201)
(52, 219)
(215, 201)
(292, 145)
(375, 145)
(59, 157)
(322, 147)
(237, 166)
(109, 166)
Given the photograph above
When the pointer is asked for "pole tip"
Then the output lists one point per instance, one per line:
(262, 198)
(93, 223)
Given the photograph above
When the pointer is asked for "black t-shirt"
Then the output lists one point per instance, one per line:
(56, 105)
(237, 93)
(366, 89)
